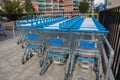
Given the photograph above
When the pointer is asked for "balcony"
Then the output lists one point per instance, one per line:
(42, 9)
(55, 9)
(41, 0)
(75, 8)
(48, 3)
(61, 7)
(49, 9)
(55, 1)
(41, 5)
(75, 1)
(61, 4)
(48, 0)
(68, 4)
(75, 4)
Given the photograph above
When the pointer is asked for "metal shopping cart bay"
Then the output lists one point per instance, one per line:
(74, 43)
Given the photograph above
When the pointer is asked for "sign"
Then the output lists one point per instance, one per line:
(101, 8)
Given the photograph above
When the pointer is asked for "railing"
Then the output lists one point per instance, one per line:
(108, 59)
(111, 20)
(49, 9)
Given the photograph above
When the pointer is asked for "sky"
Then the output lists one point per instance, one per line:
(98, 1)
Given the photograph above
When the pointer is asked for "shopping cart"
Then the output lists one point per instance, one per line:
(29, 37)
(57, 47)
(86, 35)
(23, 25)
(32, 42)
(57, 50)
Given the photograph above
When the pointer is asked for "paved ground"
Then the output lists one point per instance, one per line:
(12, 69)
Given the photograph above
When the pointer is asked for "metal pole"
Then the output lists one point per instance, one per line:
(92, 8)
(109, 65)
(105, 4)
(14, 31)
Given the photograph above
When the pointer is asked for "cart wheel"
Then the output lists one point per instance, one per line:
(25, 56)
(42, 51)
(28, 56)
(41, 63)
(31, 54)
(5, 35)
(22, 46)
(42, 72)
(51, 61)
(73, 68)
(39, 53)
(23, 61)
(18, 42)
(67, 77)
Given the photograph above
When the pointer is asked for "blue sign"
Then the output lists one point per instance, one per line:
(101, 8)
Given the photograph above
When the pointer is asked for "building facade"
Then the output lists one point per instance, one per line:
(35, 5)
(54, 6)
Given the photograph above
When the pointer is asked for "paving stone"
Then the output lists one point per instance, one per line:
(25, 75)
(37, 77)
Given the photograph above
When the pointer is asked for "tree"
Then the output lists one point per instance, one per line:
(12, 9)
(28, 5)
(29, 9)
(83, 6)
